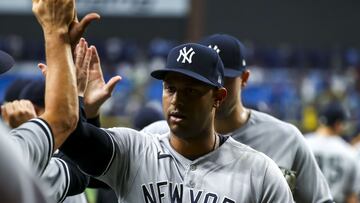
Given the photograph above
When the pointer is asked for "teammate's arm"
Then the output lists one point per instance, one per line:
(89, 146)
(275, 186)
(55, 18)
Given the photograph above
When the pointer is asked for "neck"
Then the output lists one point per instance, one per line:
(326, 131)
(237, 118)
(195, 147)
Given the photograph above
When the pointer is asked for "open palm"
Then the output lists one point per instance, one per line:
(97, 91)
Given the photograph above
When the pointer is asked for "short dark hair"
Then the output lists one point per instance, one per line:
(332, 113)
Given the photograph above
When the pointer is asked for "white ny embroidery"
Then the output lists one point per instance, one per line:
(185, 54)
(216, 48)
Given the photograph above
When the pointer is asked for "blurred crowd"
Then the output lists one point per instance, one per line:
(288, 82)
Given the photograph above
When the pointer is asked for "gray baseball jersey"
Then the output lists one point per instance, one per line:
(145, 168)
(35, 140)
(284, 144)
(17, 183)
(338, 162)
(57, 179)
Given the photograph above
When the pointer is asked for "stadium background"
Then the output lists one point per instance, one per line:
(301, 54)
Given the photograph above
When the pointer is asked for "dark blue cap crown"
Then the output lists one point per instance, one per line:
(35, 92)
(6, 62)
(231, 51)
(196, 61)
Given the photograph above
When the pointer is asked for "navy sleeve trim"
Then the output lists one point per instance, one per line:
(112, 155)
(67, 179)
(49, 135)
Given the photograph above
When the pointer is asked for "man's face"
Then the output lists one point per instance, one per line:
(188, 105)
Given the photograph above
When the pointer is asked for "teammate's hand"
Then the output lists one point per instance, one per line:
(97, 91)
(17, 112)
(54, 16)
(77, 28)
(83, 56)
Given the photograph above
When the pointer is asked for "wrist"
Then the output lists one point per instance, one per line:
(57, 34)
(91, 113)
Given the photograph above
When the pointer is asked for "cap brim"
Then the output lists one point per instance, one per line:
(232, 73)
(160, 75)
(6, 62)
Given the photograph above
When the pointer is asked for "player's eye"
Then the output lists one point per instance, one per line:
(192, 92)
(169, 88)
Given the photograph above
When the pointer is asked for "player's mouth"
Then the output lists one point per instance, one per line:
(176, 117)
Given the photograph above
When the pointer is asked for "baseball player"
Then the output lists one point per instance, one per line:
(335, 157)
(36, 139)
(279, 140)
(17, 183)
(192, 163)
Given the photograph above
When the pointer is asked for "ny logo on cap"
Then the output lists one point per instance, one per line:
(216, 48)
(186, 55)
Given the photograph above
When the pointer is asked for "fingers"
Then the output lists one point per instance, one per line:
(17, 112)
(110, 85)
(87, 20)
(43, 68)
(87, 58)
(95, 56)
(80, 52)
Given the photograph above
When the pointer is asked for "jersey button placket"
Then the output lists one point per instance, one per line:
(192, 167)
(191, 184)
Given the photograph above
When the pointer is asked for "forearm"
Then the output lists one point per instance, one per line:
(89, 147)
(61, 103)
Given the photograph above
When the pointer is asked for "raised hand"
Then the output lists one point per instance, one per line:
(17, 112)
(54, 16)
(82, 55)
(97, 91)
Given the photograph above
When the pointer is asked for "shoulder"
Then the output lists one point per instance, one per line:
(158, 127)
(279, 125)
(242, 153)
(276, 127)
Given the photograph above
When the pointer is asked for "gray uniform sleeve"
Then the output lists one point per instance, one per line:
(353, 185)
(17, 183)
(34, 138)
(129, 145)
(311, 185)
(275, 188)
(158, 127)
(57, 179)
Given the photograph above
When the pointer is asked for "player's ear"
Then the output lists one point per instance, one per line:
(219, 95)
(244, 77)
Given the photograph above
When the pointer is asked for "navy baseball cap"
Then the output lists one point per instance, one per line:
(35, 92)
(6, 62)
(231, 51)
(196, 61)
(13, 91)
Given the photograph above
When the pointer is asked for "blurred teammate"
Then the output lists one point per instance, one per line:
(17, 182)
(35, 140)
(279, 140)
(335, 157)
